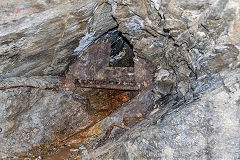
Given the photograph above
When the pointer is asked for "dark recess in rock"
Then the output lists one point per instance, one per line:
(121, 51)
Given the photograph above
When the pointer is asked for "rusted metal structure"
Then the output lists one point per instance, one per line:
(92, 70)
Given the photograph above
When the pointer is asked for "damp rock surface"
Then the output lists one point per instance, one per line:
(186, 56)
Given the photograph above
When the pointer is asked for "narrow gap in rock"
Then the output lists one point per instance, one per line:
(121, 51)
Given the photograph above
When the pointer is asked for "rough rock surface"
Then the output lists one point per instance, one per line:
(33, 30)
(207, 128)
(30, 116)
(194, 44)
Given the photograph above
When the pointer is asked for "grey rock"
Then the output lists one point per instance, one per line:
(30, 116)
(194, 46)
(202, 129)
(34, 30)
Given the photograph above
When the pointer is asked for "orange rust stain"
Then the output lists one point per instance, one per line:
(55, 88)
(100, 99)
(101, 103)
(104, 102)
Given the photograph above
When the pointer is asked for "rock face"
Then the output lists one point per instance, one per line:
(31, 116)
(194, 46)
(34, 30)
(203, 129)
